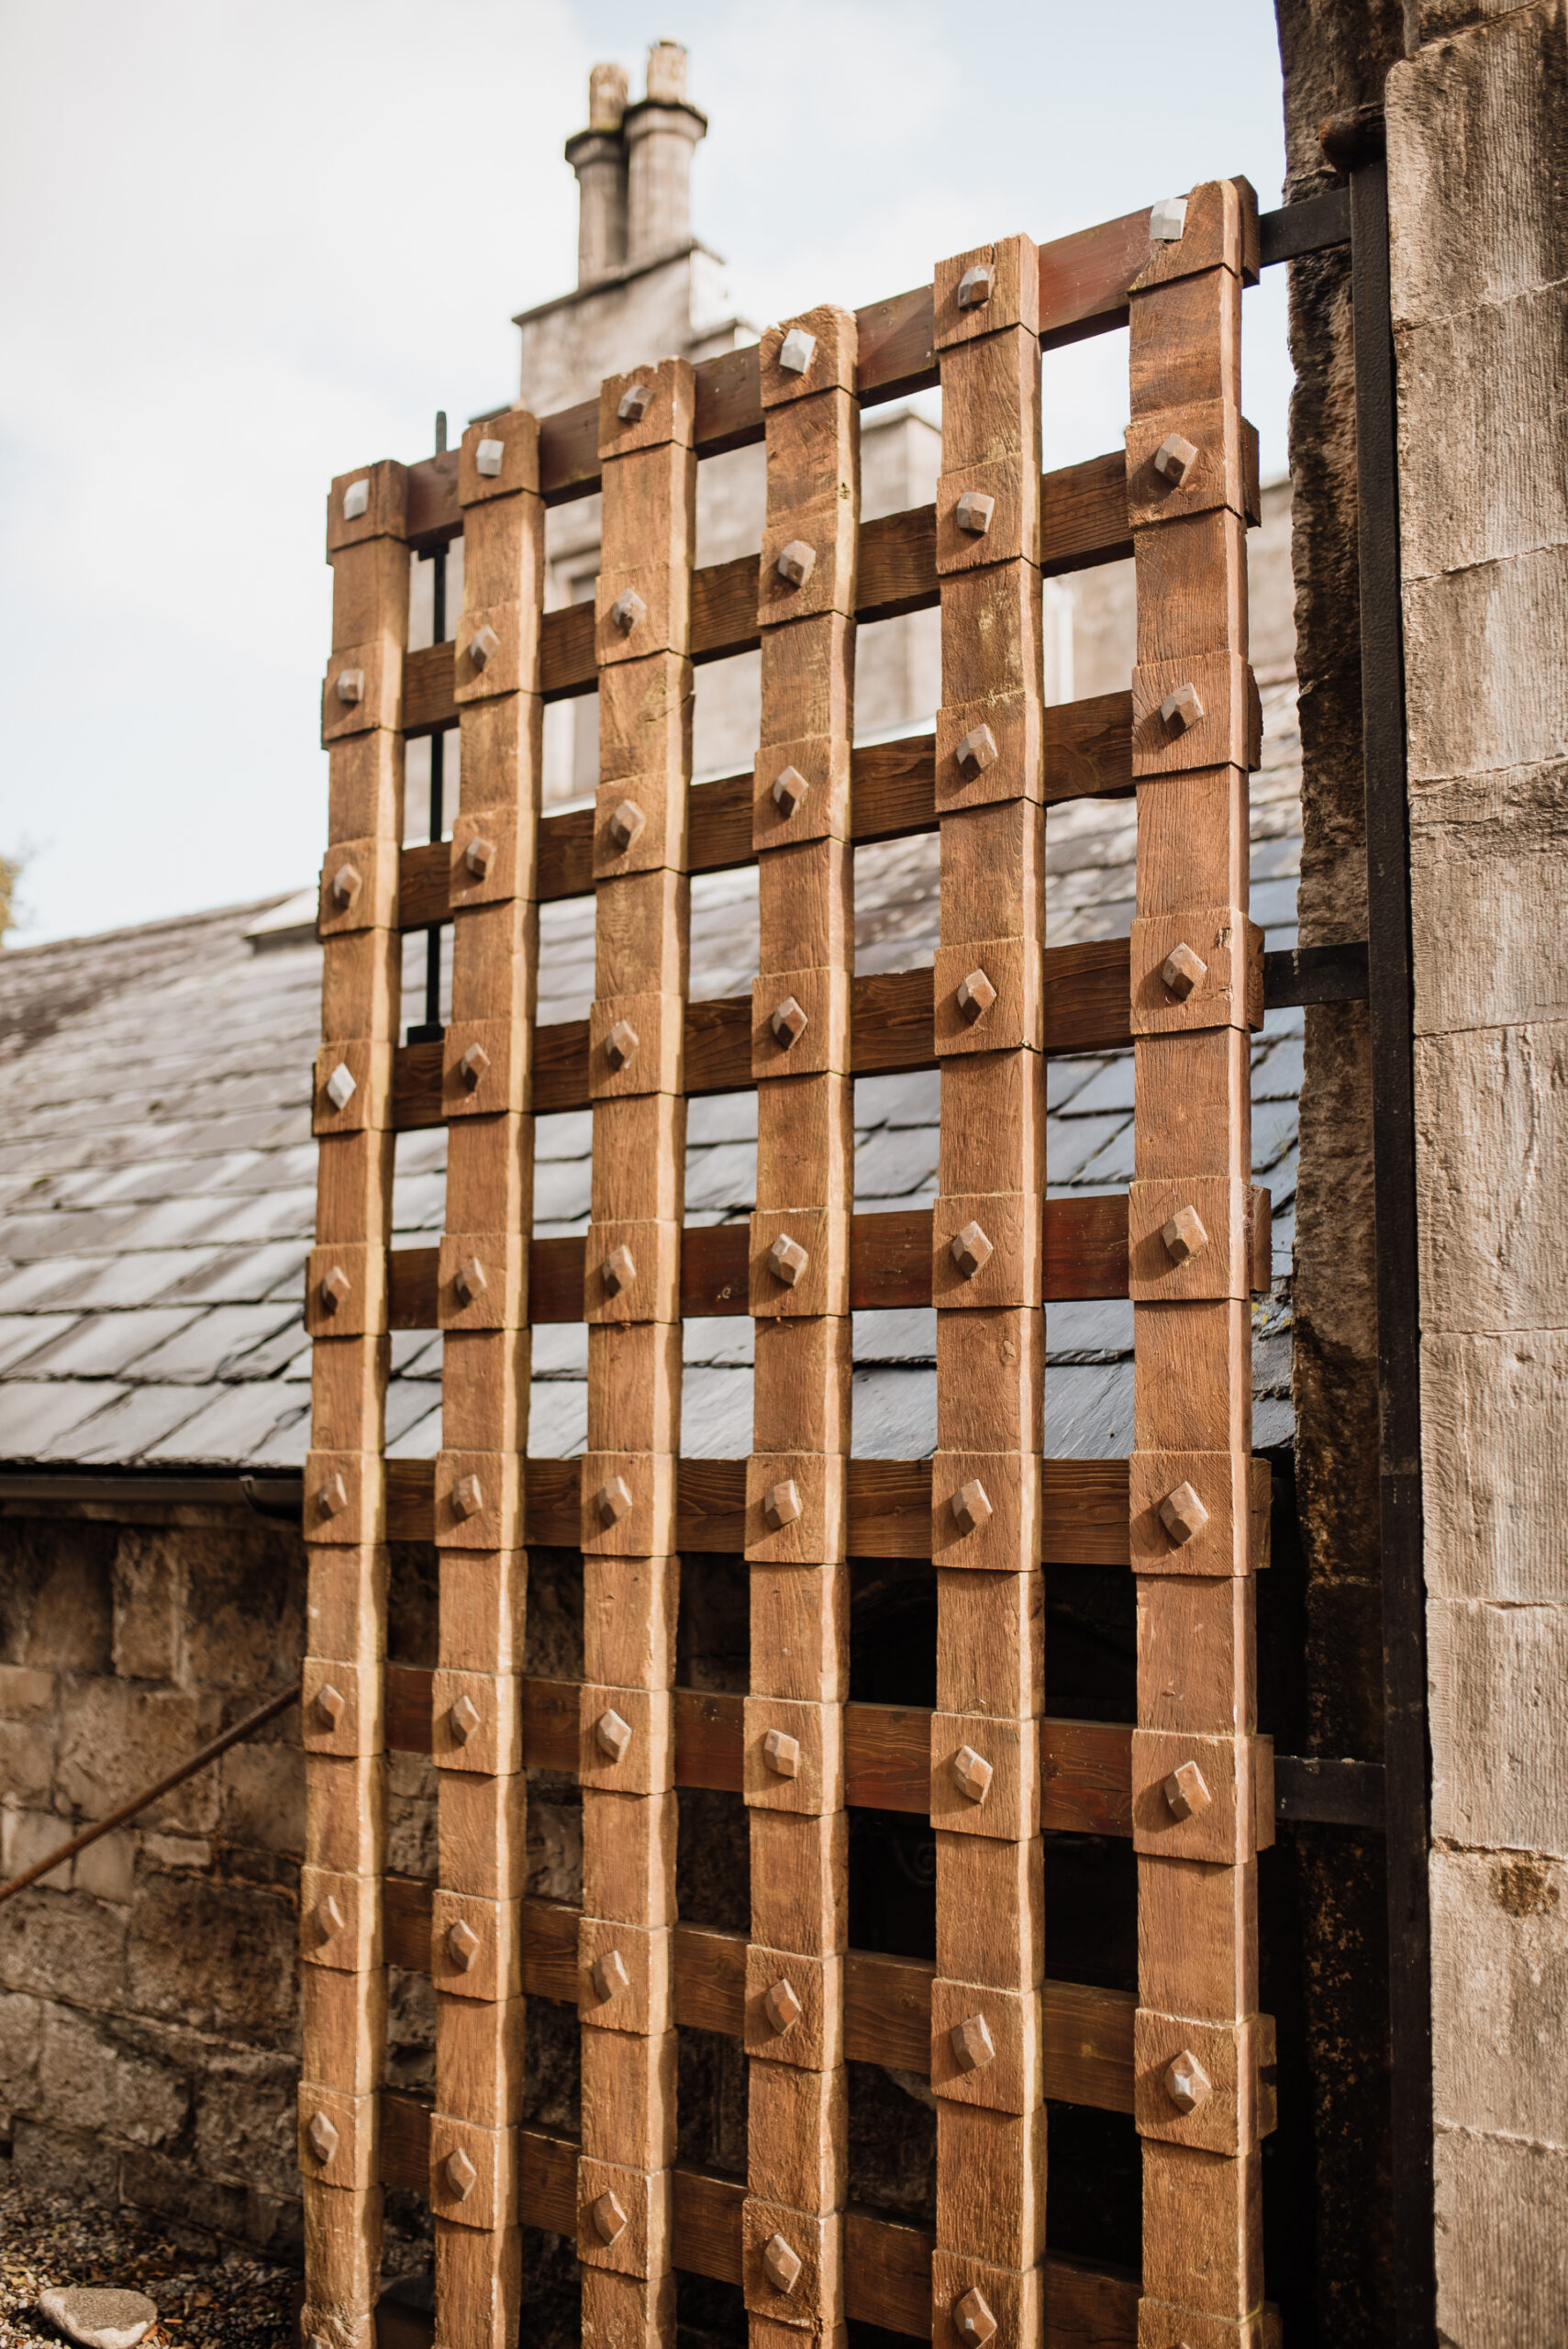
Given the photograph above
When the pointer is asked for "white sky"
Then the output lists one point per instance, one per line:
(250, 246)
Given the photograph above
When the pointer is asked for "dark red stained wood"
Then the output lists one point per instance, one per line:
(887, 1757)
(405, 1920)
(887, 2011)
(424, 885)
(555, 1279)
(1086, 1777)
(552, 1498)
(1088, 990)
(550, 1725)
(709, 1972)
(711, 1506)
(1084, 1513)
(411, 1287)
(1088, 747)
(548, 2184)
(405, 2142)
(407, 1703)
(1085, 1248)
(887, 2275)
(566, 849)
(560, 1067)
(890, 1509)
(708, 1740)
(708, 2224)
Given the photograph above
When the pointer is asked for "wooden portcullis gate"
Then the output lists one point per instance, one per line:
(1191, 2058)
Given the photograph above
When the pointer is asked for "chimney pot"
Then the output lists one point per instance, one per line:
(661, 133)
(607, 96)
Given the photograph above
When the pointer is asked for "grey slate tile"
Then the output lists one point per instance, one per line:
(34, 1415)
(125, 1428)
(264, 1423)
(22, 1334)
(105, 1345)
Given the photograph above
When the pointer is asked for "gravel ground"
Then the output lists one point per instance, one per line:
(204, 2304)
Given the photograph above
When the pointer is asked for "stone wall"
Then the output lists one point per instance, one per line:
(1478, 154)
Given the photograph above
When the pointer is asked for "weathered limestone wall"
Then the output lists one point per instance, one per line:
(1478, 156)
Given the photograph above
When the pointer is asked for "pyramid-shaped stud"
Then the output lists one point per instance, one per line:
(472, 1065)
(482, 646)
(613, 1500)
(330, 1918)
(974, 995)
(788, 1260)
(634, 403)
(971, 2043)
(1182, 970)
(796, 562)
(463, 1945)
(974, 285)
(1185, 1236)
(612, 1734)
(782, 1754)
(462, 1717)
(333, 1288)
(1187, 1792)
(608, 1975)
(621, 1043)
(459, 2173)
(627, 823)
(618, 1271)
(333, 1498)
(1181, 708)
(468, 1496)
(1187, 2085)
(608, 2218)
(1168, 220)
(782, 2007)
(1183, 1514)
(971, 1773)
(321, 2135)
(355, 500)
(977, 750)
(469, 1280)
(781, 2266)
(627, 609)
(971, 2317)
(479, 856)
(789, 1022)
(487, 459)
(346, 883)
(1175, 459)
(797, 351)
(789, 788)
(340, 1087)
(973, 511)
(780, 1504)
(971, 1506)
(970, 1250)
(351, 686)
(328, 1705)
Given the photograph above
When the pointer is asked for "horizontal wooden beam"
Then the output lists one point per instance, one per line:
(887, 2001)
(1084, 1509)
(890, 1264)
(1088, 991)
(1083, 524)
(1088, 755)
(887, 2266)
(1085, 1766)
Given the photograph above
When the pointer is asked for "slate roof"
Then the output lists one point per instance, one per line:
(157, 1173)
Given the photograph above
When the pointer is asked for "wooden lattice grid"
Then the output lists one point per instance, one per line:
(1190, 2058)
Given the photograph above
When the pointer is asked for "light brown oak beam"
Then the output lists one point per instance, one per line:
(1084, 1508)
(890, 1264)
(1085, 1766)
(1083, 282)
(1089, 755)
(888, 2266)
(1082, 523)
(887, 2001)
(892, 1028)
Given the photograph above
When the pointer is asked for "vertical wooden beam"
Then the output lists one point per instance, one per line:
(482, 1309)
(343, 1978)
(1196, 991)
(631, 1575)
(986, 2063)
(793, 1766)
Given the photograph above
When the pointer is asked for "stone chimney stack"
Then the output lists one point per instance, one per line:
(597, 155)
(661, 133)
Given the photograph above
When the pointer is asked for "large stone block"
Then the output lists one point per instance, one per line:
(55, 1607)
(1492, 1141)
(149, 1587)
(1499, 1728)
(251, 1618)
(1489, 882)
(26, 1759)
(1494, 1446)
(1486, 667)
(248, 2121)
(21, 2031)
(186, 2200)
(28, 1836)
(217, 1957)
(116, 1739)
(63, 1946)
(1499, 1993)
(263, 1797)
(1468, 492)
(1477, 156)
(110, 2078)
(49, 2159)
(1502, 2247)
